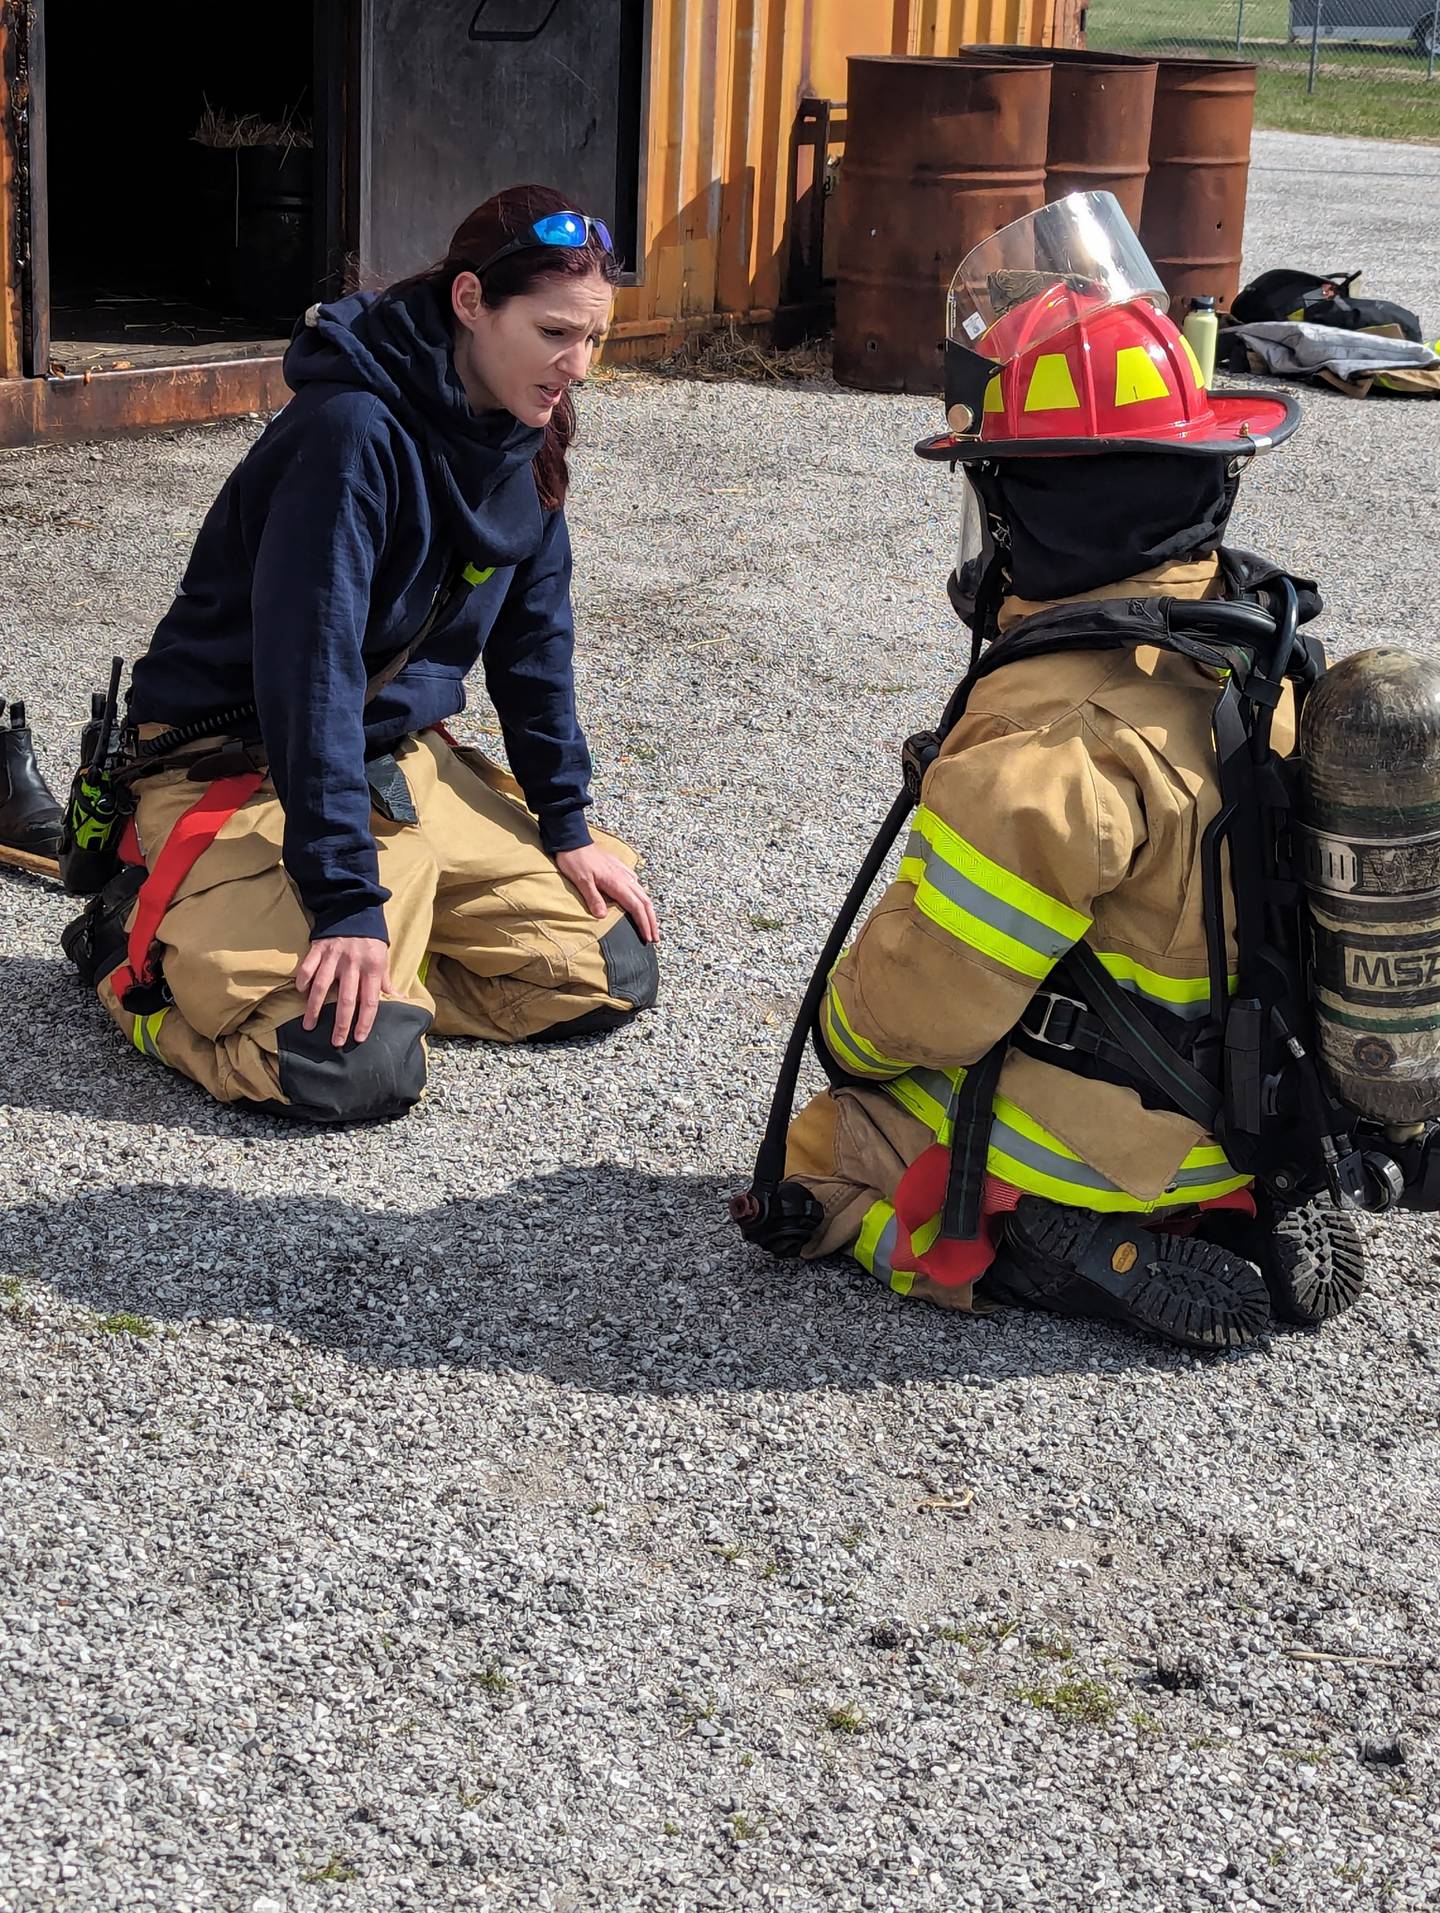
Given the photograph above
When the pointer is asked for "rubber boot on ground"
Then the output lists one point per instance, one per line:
(29, 812)
(1074, 1262)
(1311, 1256)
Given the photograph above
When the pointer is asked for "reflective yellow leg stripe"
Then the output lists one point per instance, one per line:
(1024, 1153)
(424, 970)
(849, 1047)
(146, 1031)
(473, 576)
(875, 1245)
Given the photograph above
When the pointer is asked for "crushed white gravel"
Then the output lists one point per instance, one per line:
(455, 1513)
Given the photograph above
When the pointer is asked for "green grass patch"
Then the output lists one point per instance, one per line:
(1373, 90)
(1077, 1703)
(123, 1323)
(336, 1870)
(845, 1720)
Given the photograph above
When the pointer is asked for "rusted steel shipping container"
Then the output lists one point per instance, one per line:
(177, 183)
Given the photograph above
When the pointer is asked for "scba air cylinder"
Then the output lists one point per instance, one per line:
(1370, 748)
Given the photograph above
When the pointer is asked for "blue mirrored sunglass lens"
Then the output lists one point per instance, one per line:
(602, 233)
(560, 229)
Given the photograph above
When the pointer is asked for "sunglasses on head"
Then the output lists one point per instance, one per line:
(569, 231)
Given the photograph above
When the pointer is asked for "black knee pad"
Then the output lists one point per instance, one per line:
(631, 973)
(359, 1082)
(631, 970)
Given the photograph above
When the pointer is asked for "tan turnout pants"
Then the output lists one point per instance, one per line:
(487, 939)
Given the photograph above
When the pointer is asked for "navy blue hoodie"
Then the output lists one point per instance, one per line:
(320, 560)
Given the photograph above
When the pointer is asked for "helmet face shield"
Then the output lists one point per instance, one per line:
(1070, 260)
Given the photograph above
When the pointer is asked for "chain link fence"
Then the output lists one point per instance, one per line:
(1325, 66)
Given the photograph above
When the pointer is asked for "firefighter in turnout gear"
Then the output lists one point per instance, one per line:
(311, 875)
(986, 1138)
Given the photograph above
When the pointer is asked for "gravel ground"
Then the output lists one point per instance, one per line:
(454, 1513)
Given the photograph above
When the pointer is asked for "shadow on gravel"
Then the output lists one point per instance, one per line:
(602, 1278)
(66, 1055)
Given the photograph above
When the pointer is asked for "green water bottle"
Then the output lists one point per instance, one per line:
(1202, 329)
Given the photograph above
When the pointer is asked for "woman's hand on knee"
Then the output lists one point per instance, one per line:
(603, 880)
(359, 970)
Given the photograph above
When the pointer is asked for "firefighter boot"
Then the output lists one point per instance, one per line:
(29, 813)
(1074, 1262)
(1311, 1256)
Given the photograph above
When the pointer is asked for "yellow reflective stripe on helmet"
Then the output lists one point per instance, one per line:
(1052, 389)
(1181, 995)
(994, 397)
(849, 1047)
(1137, 377)
(983, 904)
(1189, 351)
(473, 576)
(146, 1031)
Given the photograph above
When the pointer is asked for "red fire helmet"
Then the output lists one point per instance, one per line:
(1058, 321)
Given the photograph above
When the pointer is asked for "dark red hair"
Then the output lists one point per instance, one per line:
(483, 232)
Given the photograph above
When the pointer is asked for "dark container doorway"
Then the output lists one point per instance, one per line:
(339, 142)
(165, 248)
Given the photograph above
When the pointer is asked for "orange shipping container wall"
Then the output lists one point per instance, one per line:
(726, 81)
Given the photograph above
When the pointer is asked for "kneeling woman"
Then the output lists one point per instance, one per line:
(330, 876)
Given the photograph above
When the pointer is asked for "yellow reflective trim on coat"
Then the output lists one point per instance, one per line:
(982, 904)
(473, 576)
(424, 970)
(1137, 377)
(1154, 983)
(922, 1105)
(849, 1045)
(1035, 1182)
(967, 928)
(1052, 389)
(1000, 882)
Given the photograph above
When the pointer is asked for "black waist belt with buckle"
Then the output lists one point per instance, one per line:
(1061, 1030)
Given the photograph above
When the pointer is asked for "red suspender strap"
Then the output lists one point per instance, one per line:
(184, 847)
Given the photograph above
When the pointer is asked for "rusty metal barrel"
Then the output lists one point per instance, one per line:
(939, 154)
(1193, 222)
(1100, 110)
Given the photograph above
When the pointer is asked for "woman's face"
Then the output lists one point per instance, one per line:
(522, 356)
